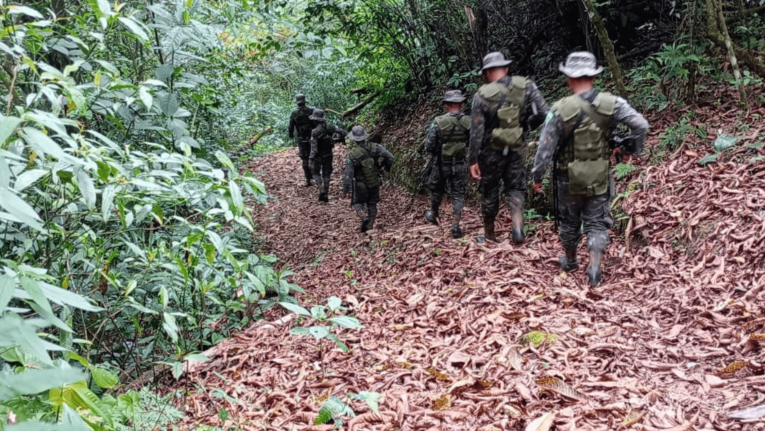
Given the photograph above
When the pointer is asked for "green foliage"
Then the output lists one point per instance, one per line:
(671, 139)
(331, 319)
(124, 227)
(623, 169)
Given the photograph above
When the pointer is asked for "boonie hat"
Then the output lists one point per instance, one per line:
(300, 98)
(358, 134)
(317, 115)
(494, 60)
(579, 64)
(454, 96)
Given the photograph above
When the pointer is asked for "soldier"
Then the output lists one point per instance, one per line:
(300, 122)
(323, 138)
(363, 167)
(447, 139)
(504, 111)
(576, 137)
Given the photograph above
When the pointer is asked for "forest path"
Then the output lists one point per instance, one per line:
(459, 335)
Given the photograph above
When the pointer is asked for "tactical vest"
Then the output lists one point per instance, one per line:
(302, 122)
(585, 160)
(370, 165)
(324, 143)
(505, 105)
(455, 133)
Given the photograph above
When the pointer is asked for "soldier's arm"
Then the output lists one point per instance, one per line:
(536, 106)
(292, 127)
(314, 146)
(627, 115)
(432, 139)
(477, 129)
(348, 175)
(388, 158)
(548, 143)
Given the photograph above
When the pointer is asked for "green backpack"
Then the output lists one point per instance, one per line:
(455, 132)
(506, 104)
(370, 167)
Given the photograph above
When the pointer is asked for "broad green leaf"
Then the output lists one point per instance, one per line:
(62, 296)
(146, 97)
(135, 28)
(7, 286)
(724, 142)
(27, 178)
(41, 143)
(164, 71)
(325, 415)
(318, 313)
(44, 426)
(334, 303)
(225, 161)
(197, 357)
(35, 292)
(31, 381)
(15, 10)
(103, 378)
(337, 341)
(295, 308)
(708, 159)
(72, 419)
(5, 172)
(19, 209)
(87, 188)
(163, 296)
(318, 331)
(299, 330)
(170, 326)
(7, 126)
(168, 103)
(236, 196)
(107, 199)
(78, 396)
(16, 332)
(346, 322)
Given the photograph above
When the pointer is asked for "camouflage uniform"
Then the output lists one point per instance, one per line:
(589, 207)
(363, 179)
(323, 138)
(508, 167)
(447, 139)
(300, 123)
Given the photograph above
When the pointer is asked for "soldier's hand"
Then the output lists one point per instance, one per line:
(537, 187)
(475, 172)
(625, 156)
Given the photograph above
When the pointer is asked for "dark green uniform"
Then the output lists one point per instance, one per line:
(447, 138)
(363, 167)
(323, 139)
(301, 125)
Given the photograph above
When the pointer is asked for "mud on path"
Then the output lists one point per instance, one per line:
(462, 336)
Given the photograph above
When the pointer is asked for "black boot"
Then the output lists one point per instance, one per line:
(323, 196)
(308, 177)
(488, 231)
(456, 229)
(518, 236)
(568, 261)
(594, 271)
(432, 216)
(366, 224)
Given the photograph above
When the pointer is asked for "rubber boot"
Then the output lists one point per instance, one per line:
(568, 261)
(594, 270)
(371, 224)
(456, 229)
(367, 223)
(432, 216)
(518, 236)
(323, 195)
(488, 231)
(308, 177)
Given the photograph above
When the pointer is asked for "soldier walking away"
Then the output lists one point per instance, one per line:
(363, 167)
(576, 139)
(301, 123)
(504, 111)
(447, 140)
(323, 138)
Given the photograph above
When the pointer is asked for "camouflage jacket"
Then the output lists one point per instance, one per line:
(323, 137)
(532, 115)
(553, 130)
(302, 132)
(433, 138)
(353, 166)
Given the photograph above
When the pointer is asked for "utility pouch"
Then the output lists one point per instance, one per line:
(508, 136)
(588, 177)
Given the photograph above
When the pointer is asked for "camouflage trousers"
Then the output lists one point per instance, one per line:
(453, 175)
(510, 170)
(322, 169)
(366, 199)
(574, 211)
(304, 151)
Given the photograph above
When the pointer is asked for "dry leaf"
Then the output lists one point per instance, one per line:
(542, 423)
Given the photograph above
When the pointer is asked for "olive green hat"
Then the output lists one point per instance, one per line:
(454, 96)
(317, 115)
(300, 98)
(358, 134)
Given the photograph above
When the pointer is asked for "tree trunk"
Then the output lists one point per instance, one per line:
(731, 52)
(360, 106)
(713, 33)
(479, 21)
(608, 47)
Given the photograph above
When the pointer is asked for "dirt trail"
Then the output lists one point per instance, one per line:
(462, 336)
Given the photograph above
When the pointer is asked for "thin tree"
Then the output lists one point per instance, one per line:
(608, 46)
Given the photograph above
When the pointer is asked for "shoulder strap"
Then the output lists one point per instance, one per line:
(518, 91)
(569, 136)
(603, 121)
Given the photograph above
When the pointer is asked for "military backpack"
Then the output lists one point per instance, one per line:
(505, 104)
(303, 123)
(324, 140)
(455, 133)
(370, 165)
(586, 157)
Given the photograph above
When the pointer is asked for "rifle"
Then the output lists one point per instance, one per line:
(424, 177)
(619, 140)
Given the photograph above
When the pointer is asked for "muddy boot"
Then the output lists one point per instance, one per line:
(366, 224)
(432, 216)
(323, 197)
(456, 229)
(308, 177)
(371, 224)
(594, 270)
(568, 261)
(518, 236)
(488, 231)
